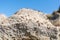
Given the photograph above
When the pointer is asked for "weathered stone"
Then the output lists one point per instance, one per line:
(28, 24)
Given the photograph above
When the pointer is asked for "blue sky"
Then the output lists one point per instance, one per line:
(9, 7)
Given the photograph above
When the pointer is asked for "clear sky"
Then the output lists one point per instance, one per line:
(9, 7)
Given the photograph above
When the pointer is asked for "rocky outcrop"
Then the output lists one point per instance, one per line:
(55, 17)
(28, 24)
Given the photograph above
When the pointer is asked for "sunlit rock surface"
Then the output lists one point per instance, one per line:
(28, 24)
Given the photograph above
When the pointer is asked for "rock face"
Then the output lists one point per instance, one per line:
(28, 24)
